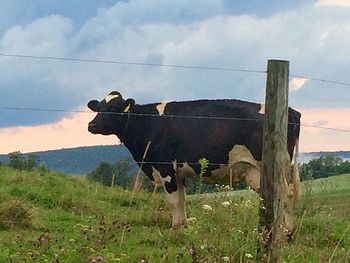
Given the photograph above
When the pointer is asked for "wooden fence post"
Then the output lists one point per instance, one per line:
(274, 160)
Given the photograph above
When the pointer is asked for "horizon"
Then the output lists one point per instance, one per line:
(71, 132)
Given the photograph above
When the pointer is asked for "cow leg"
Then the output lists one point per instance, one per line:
(252, 178)
(175, 194)
(296, 177)
(177, 200)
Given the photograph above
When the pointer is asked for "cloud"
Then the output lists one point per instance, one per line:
(201, 33)
(39, 36)
(344, 3)
(318, 139)
(297, 83)
(11, 12)
(68, 132)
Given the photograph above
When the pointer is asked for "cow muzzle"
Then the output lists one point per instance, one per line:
(92, 128)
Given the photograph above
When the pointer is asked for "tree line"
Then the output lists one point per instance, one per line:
(19, 161)
(323, 166)
(122, 173)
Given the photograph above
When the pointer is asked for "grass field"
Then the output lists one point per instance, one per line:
(49, 217)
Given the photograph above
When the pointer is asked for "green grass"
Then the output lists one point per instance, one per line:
(49, 217)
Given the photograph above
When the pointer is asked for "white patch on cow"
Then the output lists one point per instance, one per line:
(110, 97)
(262, 108)
(241, 165)
(186, 171)
(158, 179)
(167, 179)
(127, 108)
(161, 107)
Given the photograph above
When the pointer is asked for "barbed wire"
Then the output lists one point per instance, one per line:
(167, 116)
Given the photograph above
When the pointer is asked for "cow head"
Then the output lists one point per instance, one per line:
(111, 115)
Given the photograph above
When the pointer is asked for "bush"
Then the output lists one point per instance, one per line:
(14, 214)
(20, 162)
(121, 171)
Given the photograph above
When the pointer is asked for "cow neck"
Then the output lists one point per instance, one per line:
(133, 142)
(126, 126)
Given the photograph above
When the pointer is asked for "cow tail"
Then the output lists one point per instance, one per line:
(296, 177)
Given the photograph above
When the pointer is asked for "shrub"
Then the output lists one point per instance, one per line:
(14, 214)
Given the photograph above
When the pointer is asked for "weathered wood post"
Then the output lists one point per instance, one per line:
(274, 160)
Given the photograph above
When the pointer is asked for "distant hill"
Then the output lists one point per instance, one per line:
(79, 161)
(82, 160)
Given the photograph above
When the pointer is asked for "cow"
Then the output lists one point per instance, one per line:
(168, 138)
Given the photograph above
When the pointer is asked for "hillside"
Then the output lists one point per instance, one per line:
(82, 160)
(79, 161)
(49, 217)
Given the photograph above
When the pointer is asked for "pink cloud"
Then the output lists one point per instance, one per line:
(69, 132)
(315, 139)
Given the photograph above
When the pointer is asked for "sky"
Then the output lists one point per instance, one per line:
(313, 35)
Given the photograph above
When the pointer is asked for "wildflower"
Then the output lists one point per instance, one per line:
(191, 220)
(192, 250)
(225, 259)
(248, 255)
(179, 256)
(204, 246)
(285, 230)
(225, 187)
(226, 204)
(44, 237)
(97, 259)
(207, 207)
(248, 203)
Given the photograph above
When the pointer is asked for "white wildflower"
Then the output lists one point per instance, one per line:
(248, 203)
(226, 204)
(204, 246)
(248, 255)
(207, 207)
(225, 259)
(191, 220)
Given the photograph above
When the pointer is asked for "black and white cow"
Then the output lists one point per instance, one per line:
(176, 135)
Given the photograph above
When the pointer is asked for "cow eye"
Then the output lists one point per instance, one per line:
(114, 108)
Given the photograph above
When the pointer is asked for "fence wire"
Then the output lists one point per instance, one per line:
(133, 63)
(168, 116)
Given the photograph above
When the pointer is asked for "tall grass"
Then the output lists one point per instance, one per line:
(69, 219)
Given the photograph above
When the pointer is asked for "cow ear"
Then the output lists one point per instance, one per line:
(129, 103)
(93, 105)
